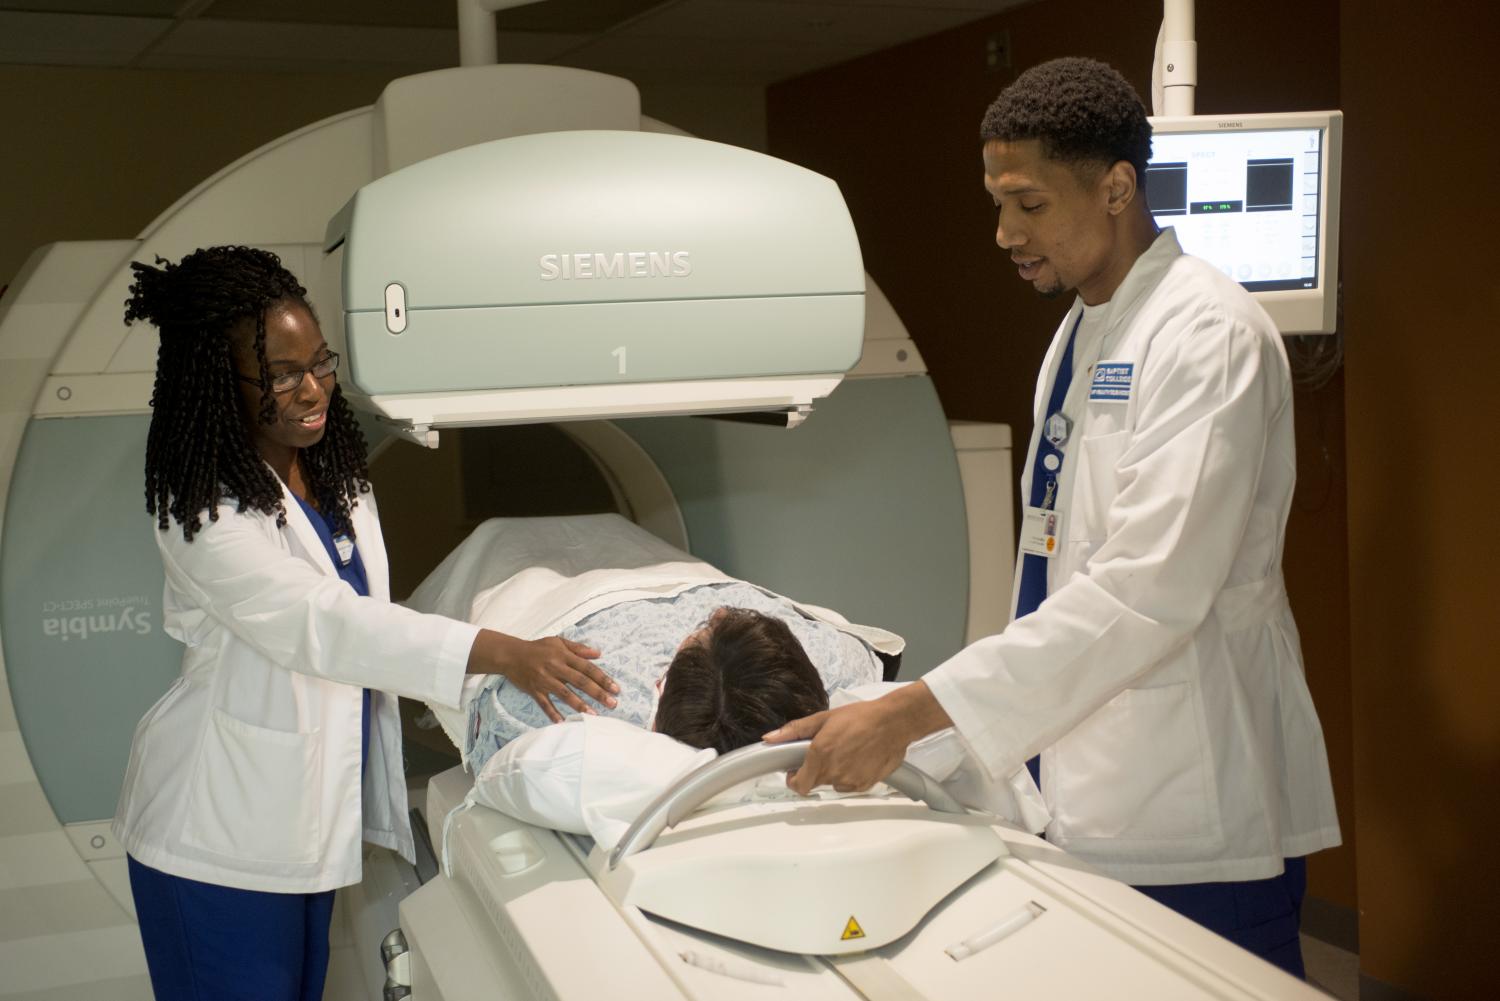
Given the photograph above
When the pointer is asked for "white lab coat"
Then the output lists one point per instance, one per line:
(595, 775)
(1161, 680)
(247, 772)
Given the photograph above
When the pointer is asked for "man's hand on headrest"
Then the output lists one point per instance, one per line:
(855, 746)
(851, 748)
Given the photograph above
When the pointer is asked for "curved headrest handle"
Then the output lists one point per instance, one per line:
(753, 761)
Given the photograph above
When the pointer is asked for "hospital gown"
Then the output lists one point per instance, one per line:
(638, 639)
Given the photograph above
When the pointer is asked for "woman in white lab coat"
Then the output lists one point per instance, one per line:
(254, 779)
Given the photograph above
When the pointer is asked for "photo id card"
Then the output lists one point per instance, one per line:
(1040, 531)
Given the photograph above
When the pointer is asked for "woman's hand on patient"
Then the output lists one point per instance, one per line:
(546, 669)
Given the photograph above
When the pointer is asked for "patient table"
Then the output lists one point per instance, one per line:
(531, 913)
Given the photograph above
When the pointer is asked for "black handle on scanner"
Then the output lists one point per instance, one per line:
(753, 761)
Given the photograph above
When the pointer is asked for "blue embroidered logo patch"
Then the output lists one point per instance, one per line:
(1112, 382)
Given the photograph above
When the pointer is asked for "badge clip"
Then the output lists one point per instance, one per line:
(1057, 430)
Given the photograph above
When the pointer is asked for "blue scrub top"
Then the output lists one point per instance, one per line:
(353, 574)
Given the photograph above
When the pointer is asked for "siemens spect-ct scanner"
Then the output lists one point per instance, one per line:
(518, 245)
(607, 268)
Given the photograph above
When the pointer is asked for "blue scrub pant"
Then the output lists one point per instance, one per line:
(1261, 915)
(214, 943)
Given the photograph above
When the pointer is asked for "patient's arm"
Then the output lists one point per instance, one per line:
(588, 775)
(538, 777)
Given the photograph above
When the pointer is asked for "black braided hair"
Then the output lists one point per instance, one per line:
(200, 450)
(1082, 111)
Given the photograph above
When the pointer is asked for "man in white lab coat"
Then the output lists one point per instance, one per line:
(1152, 674)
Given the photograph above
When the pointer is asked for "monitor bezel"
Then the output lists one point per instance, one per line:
(1294, 311)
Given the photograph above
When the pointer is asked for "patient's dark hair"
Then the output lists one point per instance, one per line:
(748, 676)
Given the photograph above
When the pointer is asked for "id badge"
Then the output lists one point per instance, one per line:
(345, 547)
(1039, 532)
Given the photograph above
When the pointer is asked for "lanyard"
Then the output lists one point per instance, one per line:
(1055, 431)
(1044, 472)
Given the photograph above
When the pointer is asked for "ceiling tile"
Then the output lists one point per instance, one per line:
(275, 64)
(276, 47)
(75, 39)
(552, 17)
(126, 8)
(803, 23)
(385, 13)
(531, 46)
(310, 46)
(740, 42)
(708, 60)
(585, 17)
(982, 7)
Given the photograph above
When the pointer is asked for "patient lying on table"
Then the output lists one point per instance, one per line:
(715, 666)
(709, 660)
(705, 664)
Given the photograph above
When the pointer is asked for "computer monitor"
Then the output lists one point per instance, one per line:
(1258, 197)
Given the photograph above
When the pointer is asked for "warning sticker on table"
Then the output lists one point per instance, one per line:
(852, 930)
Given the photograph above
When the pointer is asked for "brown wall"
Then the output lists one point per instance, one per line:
(106, 150)
(1412, 731)
(99, 153)
(1424, 487)
(899, 132)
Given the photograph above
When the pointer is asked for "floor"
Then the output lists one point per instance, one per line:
(1331, 969)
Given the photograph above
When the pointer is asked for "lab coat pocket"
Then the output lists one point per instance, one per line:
(255, 792)
(1138, 769)
(1094, 484)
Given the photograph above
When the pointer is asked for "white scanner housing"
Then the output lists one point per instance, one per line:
(594, 274)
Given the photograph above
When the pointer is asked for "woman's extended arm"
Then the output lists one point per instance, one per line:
(546, 669)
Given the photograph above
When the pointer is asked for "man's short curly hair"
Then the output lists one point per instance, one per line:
(1082, 111)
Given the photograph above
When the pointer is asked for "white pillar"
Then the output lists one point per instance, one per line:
(1179, 57)
(476, 30)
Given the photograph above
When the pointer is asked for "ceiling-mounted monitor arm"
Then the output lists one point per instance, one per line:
(476, 30)
(1174, 73)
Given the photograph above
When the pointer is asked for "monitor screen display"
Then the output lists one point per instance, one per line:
(1257, 196)
(1245, 200)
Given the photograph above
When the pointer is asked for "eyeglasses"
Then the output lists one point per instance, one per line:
(285, 382)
